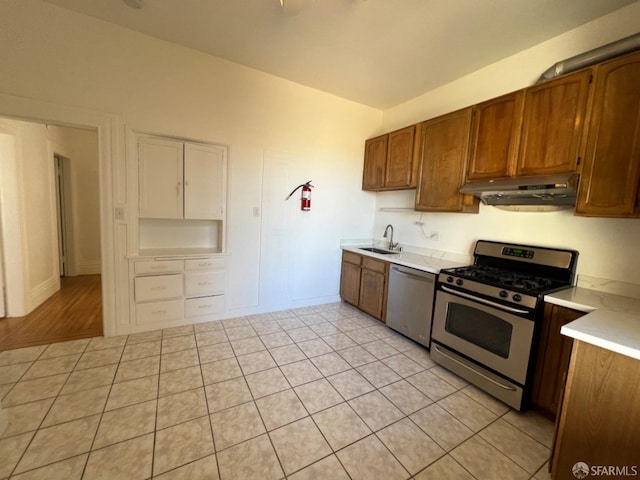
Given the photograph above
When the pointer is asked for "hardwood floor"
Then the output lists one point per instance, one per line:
(75, 311)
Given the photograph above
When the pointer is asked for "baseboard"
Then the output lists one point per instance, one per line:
(88, 268)
(43, 291)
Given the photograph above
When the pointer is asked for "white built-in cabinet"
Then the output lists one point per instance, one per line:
(178, 275)
(178, 290)
(181, 180)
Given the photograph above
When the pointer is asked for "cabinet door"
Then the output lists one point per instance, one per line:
(372, 287)
(399, 171)
(611, 170)
(495, 136)
(204, 182)
(552, 363)
(375, 156)
(350, 283)
(160, 178)
(553, 121)
(445, 142)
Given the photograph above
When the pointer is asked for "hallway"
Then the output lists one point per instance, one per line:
(75, 311)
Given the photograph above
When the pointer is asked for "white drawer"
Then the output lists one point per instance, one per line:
(154, 312)
(158, 287)
(204, 283)
(203, 305)
(158, 266)
(205, 264)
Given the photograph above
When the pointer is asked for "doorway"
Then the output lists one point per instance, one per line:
(59, 235)
(63, 211)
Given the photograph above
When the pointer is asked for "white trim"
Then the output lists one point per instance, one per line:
(88, 268)
(40, 293)
(109, 151)
(11, 214)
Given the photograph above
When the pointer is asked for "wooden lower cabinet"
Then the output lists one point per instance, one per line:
(363, 283)
(552, 361)
(350, 282)
(599, 420)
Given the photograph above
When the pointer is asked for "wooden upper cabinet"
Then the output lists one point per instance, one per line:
(611, 170)
(495, 136)
(390, 161)
(445, 142)
(553, 120)
(375, 158)
(401, 167)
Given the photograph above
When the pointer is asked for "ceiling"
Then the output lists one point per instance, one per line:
(375, 52)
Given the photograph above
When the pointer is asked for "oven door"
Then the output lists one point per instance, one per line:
(488, 335)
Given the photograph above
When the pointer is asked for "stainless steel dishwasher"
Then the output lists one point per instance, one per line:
(410, 302)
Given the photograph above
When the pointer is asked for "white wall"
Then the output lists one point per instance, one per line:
(608, 247)
(31, 181)
(28, 206)
(153, 86)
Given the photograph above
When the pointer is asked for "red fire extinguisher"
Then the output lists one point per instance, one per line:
(305, 199)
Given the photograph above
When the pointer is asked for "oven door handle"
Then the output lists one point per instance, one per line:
(477, 372)
(482, 300)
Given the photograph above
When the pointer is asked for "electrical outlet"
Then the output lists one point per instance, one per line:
(435, 236)
(119, 213)
(256, 211)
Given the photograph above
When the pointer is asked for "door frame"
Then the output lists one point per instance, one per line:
(64, 209)
(112, 180)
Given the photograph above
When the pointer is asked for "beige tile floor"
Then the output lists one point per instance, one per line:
(314, 393)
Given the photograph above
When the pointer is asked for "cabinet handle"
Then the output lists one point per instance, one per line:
(205, 307)
(157, 289)
(202, 284)
(158, 312)
(469, 367)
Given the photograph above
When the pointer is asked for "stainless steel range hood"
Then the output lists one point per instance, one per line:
(538, 190)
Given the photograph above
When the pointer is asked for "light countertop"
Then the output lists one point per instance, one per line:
(612, 321)
(427, 263)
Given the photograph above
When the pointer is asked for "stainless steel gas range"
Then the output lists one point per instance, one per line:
(486, 315)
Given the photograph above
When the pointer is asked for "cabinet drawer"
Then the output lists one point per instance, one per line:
(194, 307)
(158, 287)
(373, 264)
(154, 312)
(158, 266)
(204, 283)
(351, 257)
(205, 264)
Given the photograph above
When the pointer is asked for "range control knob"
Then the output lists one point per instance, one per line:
(459, 282)
(517, 297)
(503, 294)
(450, 279)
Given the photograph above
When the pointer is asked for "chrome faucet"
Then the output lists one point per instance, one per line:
(386, 230)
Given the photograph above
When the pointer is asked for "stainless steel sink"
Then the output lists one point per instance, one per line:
(377, 250)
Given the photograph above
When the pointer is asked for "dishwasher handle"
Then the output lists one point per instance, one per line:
(412, 272)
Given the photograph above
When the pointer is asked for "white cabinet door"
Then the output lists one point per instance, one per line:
(204, 176)
(160, 177)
